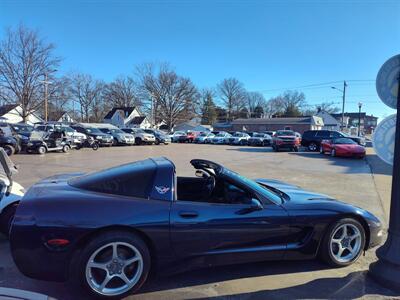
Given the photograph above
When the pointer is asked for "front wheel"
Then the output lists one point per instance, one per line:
(10, 150)
(95, 146)
(6, 218)
(65, 148)
(113, 265)
(41, 150)
(343, 243)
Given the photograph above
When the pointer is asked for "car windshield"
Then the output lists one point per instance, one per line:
(285, 133)
(116, 130)
(22, 128)
(344, 141)
(238, 134)
(179, 133)
(258, 135)
(261, 189)
(93, 130)
(220, 134)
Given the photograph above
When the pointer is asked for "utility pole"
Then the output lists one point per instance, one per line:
(359, 118)
(344, 101)
(46, 84)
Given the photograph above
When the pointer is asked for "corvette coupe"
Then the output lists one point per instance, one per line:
(106, 230)
(344, 147)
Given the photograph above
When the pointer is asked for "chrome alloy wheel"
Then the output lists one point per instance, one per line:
(114, 269)
(345, 244)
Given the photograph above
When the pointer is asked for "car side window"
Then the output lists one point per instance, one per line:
(335, 134)
(226, 192)
(323, 134)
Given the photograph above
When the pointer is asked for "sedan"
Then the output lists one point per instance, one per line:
(344, 147)
(106, 230)
(260, 139)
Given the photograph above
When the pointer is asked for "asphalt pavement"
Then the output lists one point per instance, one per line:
(351, 180)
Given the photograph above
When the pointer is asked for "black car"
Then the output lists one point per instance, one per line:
(22, 129)
(10, 144)
(260, 139)
(103, 138)
(106, 230)
(312, 138)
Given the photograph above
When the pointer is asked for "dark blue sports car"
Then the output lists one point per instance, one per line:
(106, 230)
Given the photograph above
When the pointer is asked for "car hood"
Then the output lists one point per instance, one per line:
(350, 147)
(295, 193)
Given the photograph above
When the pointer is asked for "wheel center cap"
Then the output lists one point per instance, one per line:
(115, 267)
(345, 242)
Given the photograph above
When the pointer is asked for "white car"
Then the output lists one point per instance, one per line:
(178, 137)
(204, 138)
(221, 138)
(141, 137)
(239, 138)
(11, 192)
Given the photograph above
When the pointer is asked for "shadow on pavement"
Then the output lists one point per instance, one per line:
(354, 285)
(378, 166)
(224, 273)
(251, 149)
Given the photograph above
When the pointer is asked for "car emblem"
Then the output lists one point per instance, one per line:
(162, 189)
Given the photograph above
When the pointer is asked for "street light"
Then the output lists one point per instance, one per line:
(344, 99)
(359, 118)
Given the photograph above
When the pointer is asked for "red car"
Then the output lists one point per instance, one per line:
(191, 136)
(286, 139)
(345, 147)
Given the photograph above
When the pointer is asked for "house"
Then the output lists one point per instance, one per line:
(139, 122)
(368, 123)
(11, 113)
(330, 123)
(299, 124)
(126, 117)
(62, 117)
(192, 125)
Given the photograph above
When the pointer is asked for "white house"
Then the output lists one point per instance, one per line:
(11, 113)
(65, 117)
(330, 123)
(126, 117)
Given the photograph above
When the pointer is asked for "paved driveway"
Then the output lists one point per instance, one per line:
(346, 179)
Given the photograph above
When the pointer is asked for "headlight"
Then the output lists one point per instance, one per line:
(99, 137)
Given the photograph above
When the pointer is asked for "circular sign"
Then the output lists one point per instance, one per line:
(383, 139)
(387, 81)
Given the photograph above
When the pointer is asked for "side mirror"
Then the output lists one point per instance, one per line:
(201, 174)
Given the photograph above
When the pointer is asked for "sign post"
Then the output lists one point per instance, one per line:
(387, 269)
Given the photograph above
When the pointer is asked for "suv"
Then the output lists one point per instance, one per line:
(285, 139)
(141, 137)
(239, 138)
(11, 141)
(103, 138)
(312, 138)
(120, 137)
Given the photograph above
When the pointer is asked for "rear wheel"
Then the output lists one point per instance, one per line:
(41, 150)
(138, 141)
(113, 265)
(10, 150)
(312, 147)
(65, 148)
(343, 243)
(6, 218)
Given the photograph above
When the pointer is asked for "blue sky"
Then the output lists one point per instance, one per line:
(268, 45)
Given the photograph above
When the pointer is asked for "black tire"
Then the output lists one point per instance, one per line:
(325, 251)
(95, 146)
(313, 147)
(65, 149)
(10, 150)
(157, 142)
(115, 142)
(42, 150)
(333, 153)
(79, 270)
(276, 148)
(296, 149)
(6, 218)
(138, 141)
(321, 150)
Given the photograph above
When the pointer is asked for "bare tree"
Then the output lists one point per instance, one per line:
(86, 91)
(122, 92)
(59, 97)
(252, 101)
(175, 97)
(25, 60)
(232, 94)
(290, 104)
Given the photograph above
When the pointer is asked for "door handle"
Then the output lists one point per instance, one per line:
(188, 214)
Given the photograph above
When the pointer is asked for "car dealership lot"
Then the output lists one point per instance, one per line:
(347, 179)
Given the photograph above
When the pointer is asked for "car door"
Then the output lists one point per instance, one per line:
(229, 232)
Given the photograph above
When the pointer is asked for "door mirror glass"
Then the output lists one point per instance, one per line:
(256, 204)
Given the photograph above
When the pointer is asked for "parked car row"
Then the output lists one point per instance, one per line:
(56, 136)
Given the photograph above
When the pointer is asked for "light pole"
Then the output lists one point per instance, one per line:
(359, 118)
(344, 99)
